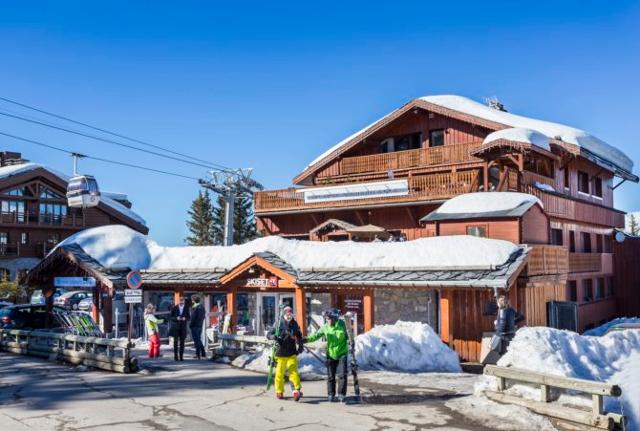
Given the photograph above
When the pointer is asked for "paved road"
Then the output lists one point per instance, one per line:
(35, 394)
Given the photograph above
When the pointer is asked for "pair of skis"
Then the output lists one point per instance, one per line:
(348, 320)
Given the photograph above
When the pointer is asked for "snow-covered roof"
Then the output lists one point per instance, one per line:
(484, 204)
(551, 130)
(519, 134)
(107, 198)
(117, 246)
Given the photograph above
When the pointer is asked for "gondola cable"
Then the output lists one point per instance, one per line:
(119, 135)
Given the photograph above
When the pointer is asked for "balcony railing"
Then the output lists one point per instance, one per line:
(531, 178)
(421, 187)
(32, 219)
(585, 262)
(547, 259)
(443, 155)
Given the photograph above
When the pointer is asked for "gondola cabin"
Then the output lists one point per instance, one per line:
(83, 192)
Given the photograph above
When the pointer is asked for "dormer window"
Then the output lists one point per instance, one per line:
(583, 182)
(436, 138)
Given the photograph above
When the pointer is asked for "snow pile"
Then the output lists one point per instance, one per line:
(612, 358)
(483, 202)
(405, 346)
(119, 246)
(519, 134)
(615, 324)
(309, 367)
(544, 187)
(567, 134)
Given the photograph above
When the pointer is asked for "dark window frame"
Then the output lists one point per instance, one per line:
(479, 227)
(557, 236)
(433, 137)
(583, 182)
(585, 238)
(597, 187)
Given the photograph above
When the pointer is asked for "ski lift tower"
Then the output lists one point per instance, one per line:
(229, 184)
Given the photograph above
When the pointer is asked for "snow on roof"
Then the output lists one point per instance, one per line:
(567, 134)
(551, 130)
(519, 134)
(486, 202)
(106, 198)
(117, 246)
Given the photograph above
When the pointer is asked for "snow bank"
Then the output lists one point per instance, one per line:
(309, 367)
(405, 346)
(120, 246)
(602, 329)
(612, 358)
(519, 134)
(544, 187)
(482, 202)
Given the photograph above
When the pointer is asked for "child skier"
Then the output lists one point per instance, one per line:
(288, 338)
(334, 331)
(151, 322)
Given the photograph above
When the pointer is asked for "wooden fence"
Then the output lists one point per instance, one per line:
(595, 417)
(103, 353)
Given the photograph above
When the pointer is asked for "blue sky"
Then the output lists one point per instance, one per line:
(271, 87)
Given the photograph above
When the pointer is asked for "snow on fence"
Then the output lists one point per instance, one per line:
(596, 417)
(103, 353)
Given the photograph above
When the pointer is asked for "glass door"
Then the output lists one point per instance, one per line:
(267, 312)
(288, 300)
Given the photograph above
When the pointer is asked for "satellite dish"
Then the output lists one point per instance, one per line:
(620, 236)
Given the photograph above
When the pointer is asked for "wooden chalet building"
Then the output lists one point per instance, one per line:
(34, 215)
(393, 174)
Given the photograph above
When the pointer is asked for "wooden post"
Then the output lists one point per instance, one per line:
(369, 311)
(231, 307)
(445, 319)
(485, 177)
(301, 309)
(544, 393)
(177, 294)
(596, 404)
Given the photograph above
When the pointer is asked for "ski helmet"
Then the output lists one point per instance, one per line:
(332, 313)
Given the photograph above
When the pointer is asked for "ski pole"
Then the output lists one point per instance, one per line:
(318, 357)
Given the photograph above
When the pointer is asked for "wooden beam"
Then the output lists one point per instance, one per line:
(359, 217)
(369, 309)
(301, 309)
(445, 320)
(231, 307)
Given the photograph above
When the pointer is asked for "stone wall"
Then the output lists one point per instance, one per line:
(392, 304)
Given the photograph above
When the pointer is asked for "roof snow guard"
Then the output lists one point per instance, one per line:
(572, 139)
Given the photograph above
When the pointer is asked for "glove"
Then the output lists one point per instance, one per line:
(300, 348)
(303, 341)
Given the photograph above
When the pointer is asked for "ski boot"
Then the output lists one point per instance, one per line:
(297, 394)
(280, 395)
(331, 398)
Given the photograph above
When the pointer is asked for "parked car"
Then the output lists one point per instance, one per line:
(27, 317)
(118, 303)
(70, 300)
(4, 304)
(86, 303)
(38, 298)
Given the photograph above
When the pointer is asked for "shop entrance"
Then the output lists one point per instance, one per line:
(268, 307)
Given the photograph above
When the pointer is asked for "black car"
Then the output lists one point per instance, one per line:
(27, 317)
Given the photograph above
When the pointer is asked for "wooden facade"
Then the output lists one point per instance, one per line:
(442, 155)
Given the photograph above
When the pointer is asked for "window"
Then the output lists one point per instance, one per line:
(587, 290)
(16, 208)
(52, 213)
(407, 142)
(600, 288)
(53, 238)
(556, 236)
(567, 177)
(608, 244)
(610, 290)
(21, 191)
(586, 242)
(583, 182)
(436, 138)
(599, 243)
(50, 194)
(4, 238)
(480, 231)
(572, 241)
(572, 286)
(24, 238)
(597, 187)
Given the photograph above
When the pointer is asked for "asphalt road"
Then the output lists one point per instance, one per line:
(41, 395)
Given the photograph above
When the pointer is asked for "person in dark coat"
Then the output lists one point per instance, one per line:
(195, 324)
(288, 338)
(180, 316)
(505, 324)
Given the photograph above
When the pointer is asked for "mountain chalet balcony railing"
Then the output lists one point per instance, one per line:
(556, 259)
(32, 219)
(39, 249)
(421, 188)
(443, 155)
(590, 262)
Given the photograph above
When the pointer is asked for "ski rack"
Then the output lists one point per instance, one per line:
(77, 323)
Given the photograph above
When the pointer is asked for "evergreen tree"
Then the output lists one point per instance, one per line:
(634, 227)
(200, 223)
(244, 227)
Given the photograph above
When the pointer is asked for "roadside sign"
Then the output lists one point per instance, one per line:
(133, 299)
(74, 282)
(134, 280)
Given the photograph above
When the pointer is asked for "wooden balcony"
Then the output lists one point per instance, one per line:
(431, 156)
(572, 209)
(531, 178)
(33, 219)
(547, 260)
(421, 188)
(586, 262)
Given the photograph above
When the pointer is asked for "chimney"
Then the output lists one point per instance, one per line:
(8, 158)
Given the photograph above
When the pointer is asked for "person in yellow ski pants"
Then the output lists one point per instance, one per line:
(288, 338)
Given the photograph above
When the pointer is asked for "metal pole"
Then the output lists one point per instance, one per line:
(130, 321)
(230, 198)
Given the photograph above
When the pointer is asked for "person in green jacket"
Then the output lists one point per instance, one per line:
(334, 332)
